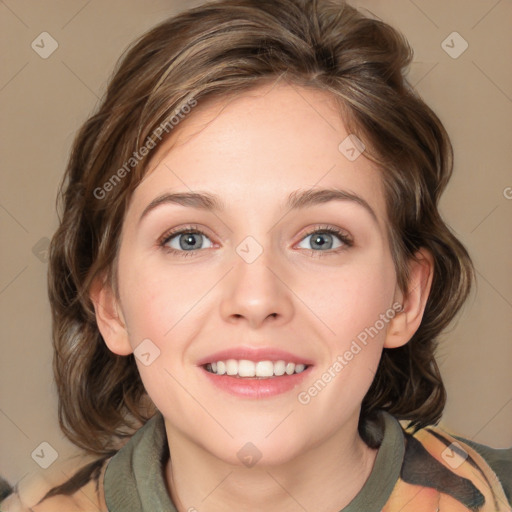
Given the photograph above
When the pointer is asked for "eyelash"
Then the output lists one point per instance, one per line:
(192, 229)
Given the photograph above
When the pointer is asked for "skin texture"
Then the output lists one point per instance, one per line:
(253, 151)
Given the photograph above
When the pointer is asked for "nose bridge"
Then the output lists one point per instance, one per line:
(256, 290)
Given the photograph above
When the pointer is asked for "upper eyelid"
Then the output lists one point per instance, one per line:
(328, 228)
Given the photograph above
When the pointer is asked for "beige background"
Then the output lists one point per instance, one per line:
(44, 101)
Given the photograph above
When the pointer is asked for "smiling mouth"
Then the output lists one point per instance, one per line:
(243, 368)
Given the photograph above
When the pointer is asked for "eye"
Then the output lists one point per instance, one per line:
(324, 240)
(185, 241)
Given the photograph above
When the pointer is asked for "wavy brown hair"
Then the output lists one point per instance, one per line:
(213, 51)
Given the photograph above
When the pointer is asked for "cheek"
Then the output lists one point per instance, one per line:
(164, 304)
(352, 299)
(353, 303)
(159, 306)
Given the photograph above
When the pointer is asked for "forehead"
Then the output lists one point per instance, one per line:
(260, 146)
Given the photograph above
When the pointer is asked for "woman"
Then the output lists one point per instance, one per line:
(251, 273)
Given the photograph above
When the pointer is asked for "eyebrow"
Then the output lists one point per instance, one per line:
(297, 200)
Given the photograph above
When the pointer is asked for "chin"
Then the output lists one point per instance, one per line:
(257, 452)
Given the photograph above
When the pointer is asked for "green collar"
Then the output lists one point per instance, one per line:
(135, 477)
(134, 480)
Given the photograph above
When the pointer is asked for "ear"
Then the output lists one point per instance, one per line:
(406, 322)
(109, 317)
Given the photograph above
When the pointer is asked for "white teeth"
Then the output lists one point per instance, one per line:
(279, 368)
(231, 367)
(246, 368)
(262, 369)
(221, 368)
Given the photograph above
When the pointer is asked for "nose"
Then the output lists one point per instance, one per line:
(256, 293)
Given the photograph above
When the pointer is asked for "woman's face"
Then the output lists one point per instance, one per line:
(264, 282)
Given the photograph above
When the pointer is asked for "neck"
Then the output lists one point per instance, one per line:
(325, 478)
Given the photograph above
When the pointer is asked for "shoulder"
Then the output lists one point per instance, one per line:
(465, 471)
(81, 485)
(499, 459)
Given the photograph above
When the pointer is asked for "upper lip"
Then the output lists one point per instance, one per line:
(255, 355)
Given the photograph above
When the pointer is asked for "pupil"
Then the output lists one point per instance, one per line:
(318, 240)
(189, 241)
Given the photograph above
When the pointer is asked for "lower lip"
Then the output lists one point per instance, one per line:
(247, 387)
